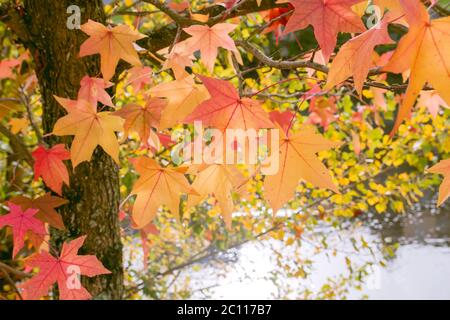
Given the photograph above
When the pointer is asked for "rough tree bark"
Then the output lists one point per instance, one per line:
(94, 187)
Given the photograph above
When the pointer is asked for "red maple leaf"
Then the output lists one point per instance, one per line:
(21, 222)
(227, 110)
(64, 270)
(322, 110)
(276, 15)
(328, 17)
(48, 164)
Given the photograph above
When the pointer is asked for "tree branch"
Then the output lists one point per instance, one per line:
(163, 37)
(13, 271)
(179, 19)
(26, 101)
(259, 55)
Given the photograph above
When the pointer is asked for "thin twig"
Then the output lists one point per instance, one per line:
(11, 282)
(26, 101)
(13, 271)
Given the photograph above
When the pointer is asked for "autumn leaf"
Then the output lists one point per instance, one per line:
(443, 167)
(7, 106)
(63, 271)
(298, 160)
(322, 110)
(93, 90)
(209, 39)
(46, 206)
(141, 119)
(219, 181)
(178, 6)
(157, 186)
(139, 77)
(278, 21)
(145, 232)
(21, 222)
(48, 164)
(394, 6)
(432, 101)
(283, 119)
(355, 56)
(112, 44)
(426, 44)
(178, 59)
(7, 66)
(356, 142)
(90, 128)
(183, 96)
(227, 110)
(328, 17)
(19, 125)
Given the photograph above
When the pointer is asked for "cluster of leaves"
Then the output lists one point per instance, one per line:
(347, 169)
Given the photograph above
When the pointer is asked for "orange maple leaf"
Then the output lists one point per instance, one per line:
(112, 44)
(157, 186)
(394, 6)
(183, 96)
(425, 49)
(298, 160)
(178, 59)
(209, 39)
(219, 181)
(443, 167)
(355, 56)
(90, 128)
(141, 119)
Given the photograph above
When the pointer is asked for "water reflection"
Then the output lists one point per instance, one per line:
(419, 270)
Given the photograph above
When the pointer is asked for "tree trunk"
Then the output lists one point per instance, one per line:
(93, 194)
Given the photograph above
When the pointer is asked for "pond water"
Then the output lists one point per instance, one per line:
(420, 268)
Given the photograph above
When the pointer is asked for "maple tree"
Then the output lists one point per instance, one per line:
(315, 85)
